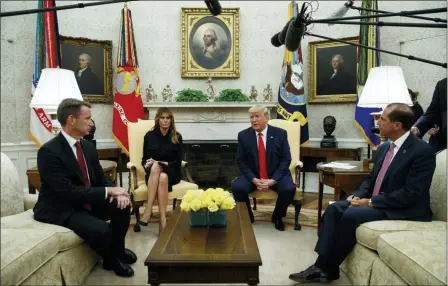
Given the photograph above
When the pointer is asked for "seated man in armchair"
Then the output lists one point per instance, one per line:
(263, 159)
(396, 189)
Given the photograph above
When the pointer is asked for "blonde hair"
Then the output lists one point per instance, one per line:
(172, 128)
(258, 108)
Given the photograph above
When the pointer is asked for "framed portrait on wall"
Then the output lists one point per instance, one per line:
(332, 70)
(91, 61)
(210, 45)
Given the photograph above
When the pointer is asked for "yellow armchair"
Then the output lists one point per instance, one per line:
(293, 130)
(138, 187)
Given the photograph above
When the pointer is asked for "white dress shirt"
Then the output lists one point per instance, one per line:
(264, 135)
(72, 141)
(399, 142)
(80, 72)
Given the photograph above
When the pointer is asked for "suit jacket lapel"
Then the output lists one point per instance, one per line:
(269, 144)
(254, 143)
(399, 156)
(67, 149)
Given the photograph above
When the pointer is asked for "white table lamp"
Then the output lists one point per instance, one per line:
(55, 85)
(384, 85)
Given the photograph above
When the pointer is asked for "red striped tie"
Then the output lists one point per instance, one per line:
(83, 167)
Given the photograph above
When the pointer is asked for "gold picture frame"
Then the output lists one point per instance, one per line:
(210, 45)
(91, 61)
(332, 71)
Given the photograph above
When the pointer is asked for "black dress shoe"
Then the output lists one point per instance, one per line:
(279, 225)
(128, 257)
(121, 269)
(312, 274)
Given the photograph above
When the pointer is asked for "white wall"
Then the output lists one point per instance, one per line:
(157, 32)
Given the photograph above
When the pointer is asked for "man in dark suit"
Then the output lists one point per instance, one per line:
(396, 189)
(75, 194)
(435, 114)
(263, 159)
(88, 81)
(340, 81)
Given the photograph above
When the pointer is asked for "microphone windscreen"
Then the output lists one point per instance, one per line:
(213, 6)
(294, 36)
(282, 34)
(274, 40)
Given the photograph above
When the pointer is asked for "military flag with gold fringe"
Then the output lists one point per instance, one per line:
(369, 35)
(128, 103)
(291, 93)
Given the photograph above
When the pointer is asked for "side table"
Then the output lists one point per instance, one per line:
(344, 181)
(113, 154)
(109, 169)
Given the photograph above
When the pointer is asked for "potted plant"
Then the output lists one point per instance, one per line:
(207, 208)
(231, 95)
(191, 95)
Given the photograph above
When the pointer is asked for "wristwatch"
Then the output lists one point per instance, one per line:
(370, 203)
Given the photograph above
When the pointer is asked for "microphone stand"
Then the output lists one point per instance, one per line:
(57, 8)
(408, 16)
(380, 50)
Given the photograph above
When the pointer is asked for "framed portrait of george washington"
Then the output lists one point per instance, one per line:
(210, 45)
(332, 71)
(91, 61)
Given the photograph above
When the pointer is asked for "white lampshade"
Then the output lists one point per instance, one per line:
(384, 85)
(54, 85)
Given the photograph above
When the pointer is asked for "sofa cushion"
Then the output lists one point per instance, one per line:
(438, 188)
(179, 190)
(419, 257)
(368, 233)
(24, 251)
(11, 190)
(66, 238)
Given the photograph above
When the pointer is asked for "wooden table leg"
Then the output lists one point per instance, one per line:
(303, 180)
(321, 194)
(31, 189)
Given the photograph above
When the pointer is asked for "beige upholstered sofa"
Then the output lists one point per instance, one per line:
(404, 252)
(35, 253)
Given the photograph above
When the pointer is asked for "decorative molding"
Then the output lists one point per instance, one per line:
(245, 104)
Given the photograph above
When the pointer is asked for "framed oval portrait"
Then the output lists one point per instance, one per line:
(210, 45)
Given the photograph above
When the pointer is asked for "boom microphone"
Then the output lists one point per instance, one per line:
(295, 32)
(279, 39)
(213, 6)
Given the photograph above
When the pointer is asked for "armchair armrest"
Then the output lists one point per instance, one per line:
(186, 173)
(29, 200)
(298, 167)
(133, 176)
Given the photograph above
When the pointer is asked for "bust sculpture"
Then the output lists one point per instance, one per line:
(167, 94)
(329, 141)
(253, 94)
(151, 95)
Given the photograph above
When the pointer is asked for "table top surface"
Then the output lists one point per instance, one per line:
(233, 245)
(359, 168)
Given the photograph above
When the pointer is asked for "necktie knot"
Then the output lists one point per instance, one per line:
(260, 134)
(77, 144)
(392, 146)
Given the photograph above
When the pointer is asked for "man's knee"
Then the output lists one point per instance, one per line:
(118, 211)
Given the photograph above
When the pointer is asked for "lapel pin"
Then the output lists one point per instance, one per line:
(272, 137)
(404, 151)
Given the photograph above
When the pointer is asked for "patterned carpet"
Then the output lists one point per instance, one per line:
(307, 216)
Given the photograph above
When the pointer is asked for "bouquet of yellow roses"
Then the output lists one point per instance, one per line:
(207, 207)
(211, 199)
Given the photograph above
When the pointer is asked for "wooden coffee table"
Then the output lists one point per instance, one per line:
(185, 254)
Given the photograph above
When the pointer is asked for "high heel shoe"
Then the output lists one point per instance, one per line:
(145, 223)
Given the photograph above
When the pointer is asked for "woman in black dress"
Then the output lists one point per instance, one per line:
(162, 160)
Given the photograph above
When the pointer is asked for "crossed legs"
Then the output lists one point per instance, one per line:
(157, 187)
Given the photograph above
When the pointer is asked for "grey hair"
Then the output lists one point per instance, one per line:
(259, 107)
(88, 58)
(70, 106)
(214, 36)
(339, 57)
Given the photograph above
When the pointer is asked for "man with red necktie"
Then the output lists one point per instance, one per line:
(75, 194)
(396, 189)
(263, 159)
